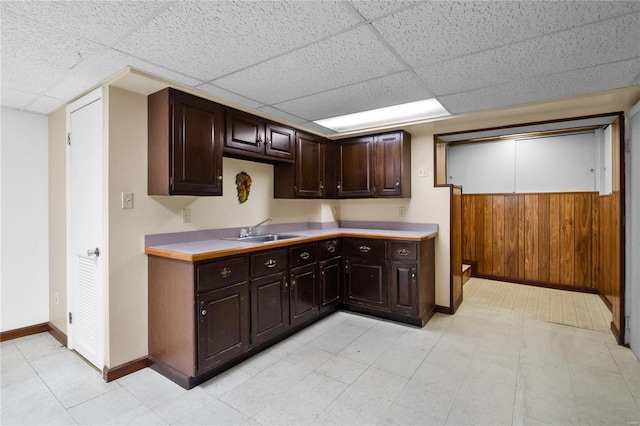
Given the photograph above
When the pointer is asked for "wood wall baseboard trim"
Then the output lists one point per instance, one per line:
(554, 286)
(110, 374)
(445, 310)
(57, 334)
(24, 331)
(616, 333)
(606, 301)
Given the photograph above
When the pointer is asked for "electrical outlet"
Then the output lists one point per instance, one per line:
(422, 172)
(402, 210)
(55, 298)
(127, 200)
(186, 215)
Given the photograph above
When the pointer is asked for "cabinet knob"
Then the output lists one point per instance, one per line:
(268, 143)
(225, 272)
(220, 177)
(270, 263)
(259, 142)
(331, 249)
(397, 184)
(364, 249)
(404, 252)
(203, 312)
(304, 255)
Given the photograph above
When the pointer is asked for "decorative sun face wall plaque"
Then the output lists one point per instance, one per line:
(243, 185)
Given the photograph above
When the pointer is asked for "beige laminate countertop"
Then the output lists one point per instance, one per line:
(215, 248)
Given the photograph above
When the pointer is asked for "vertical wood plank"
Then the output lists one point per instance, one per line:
(511, 236)
(479, 215)
(521, 236)
(554, 238)
(497, 218)
(487, 245)
(543, 237)
(582, 260)
(469, 228)
(531, 237)
(595, 241)
(567, 234)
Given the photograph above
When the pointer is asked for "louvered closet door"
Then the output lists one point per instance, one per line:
(86, 253)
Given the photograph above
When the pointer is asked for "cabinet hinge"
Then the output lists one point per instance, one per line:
(70, 318)
(68, 138)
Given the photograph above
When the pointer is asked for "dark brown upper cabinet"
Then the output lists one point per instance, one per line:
(311, 175)
(185, 135)
(356, 164)
(251, 137)
(375, 166)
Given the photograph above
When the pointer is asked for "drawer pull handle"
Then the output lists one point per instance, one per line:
(225, 272)
(304, 255)
(404, 252)
(331, 249)
(203, 312)
(270, 263)
(365, 249)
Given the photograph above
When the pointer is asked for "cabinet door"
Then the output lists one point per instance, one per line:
(330, 283)
(356, 168)
(196, 167)
(269, 307)
(393, 165)
(366, 283)
(279, 141)
(309, 166)
(403, 288)
(303, 300)
(245, 132)
(223, 325)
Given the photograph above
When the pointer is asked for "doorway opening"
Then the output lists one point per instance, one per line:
(541, 204)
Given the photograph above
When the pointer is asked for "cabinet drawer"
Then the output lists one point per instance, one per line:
(330, 248)
(303, 255)
(222, 273)
(404, 251)
(365, 248)
(268, 262)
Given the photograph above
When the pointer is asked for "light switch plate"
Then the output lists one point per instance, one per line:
(186, 215)
(127, 200)
(422, 172)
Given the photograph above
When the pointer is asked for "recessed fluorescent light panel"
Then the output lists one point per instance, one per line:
(397, 114)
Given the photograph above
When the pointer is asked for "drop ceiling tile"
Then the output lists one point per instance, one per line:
(99, 21)
(278, 113)
(29, 41)
(375, 9)
(437, 31)
(45, 104)
(13, 98)
(377, 93)
(229, 96)
(211, 39)
(103, 67)
(589, 45)
(571, 83)
(35, 76)
(338, 61)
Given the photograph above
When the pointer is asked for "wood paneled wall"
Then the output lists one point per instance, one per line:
(547, 238)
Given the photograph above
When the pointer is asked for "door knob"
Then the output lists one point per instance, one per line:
(95, 252)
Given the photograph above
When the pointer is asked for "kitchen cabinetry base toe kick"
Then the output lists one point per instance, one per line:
(207, 316)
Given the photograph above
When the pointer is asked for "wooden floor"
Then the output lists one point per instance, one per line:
(575, 309)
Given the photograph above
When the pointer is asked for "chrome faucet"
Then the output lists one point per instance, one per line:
(253, 231)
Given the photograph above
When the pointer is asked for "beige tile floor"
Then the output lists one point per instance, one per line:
(479, 366)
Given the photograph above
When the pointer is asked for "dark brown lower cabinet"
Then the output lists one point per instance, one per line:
(330, 283)
(269, 307)
(366, 283)
(223, 325)
(403, 289)
(303, 300)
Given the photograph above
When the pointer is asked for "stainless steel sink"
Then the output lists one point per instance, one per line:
(263, 238)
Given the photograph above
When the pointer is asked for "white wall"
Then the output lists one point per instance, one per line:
(564, 163)
(632, 249)
(24, 229)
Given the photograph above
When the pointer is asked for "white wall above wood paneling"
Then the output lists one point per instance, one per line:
(565, 163)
